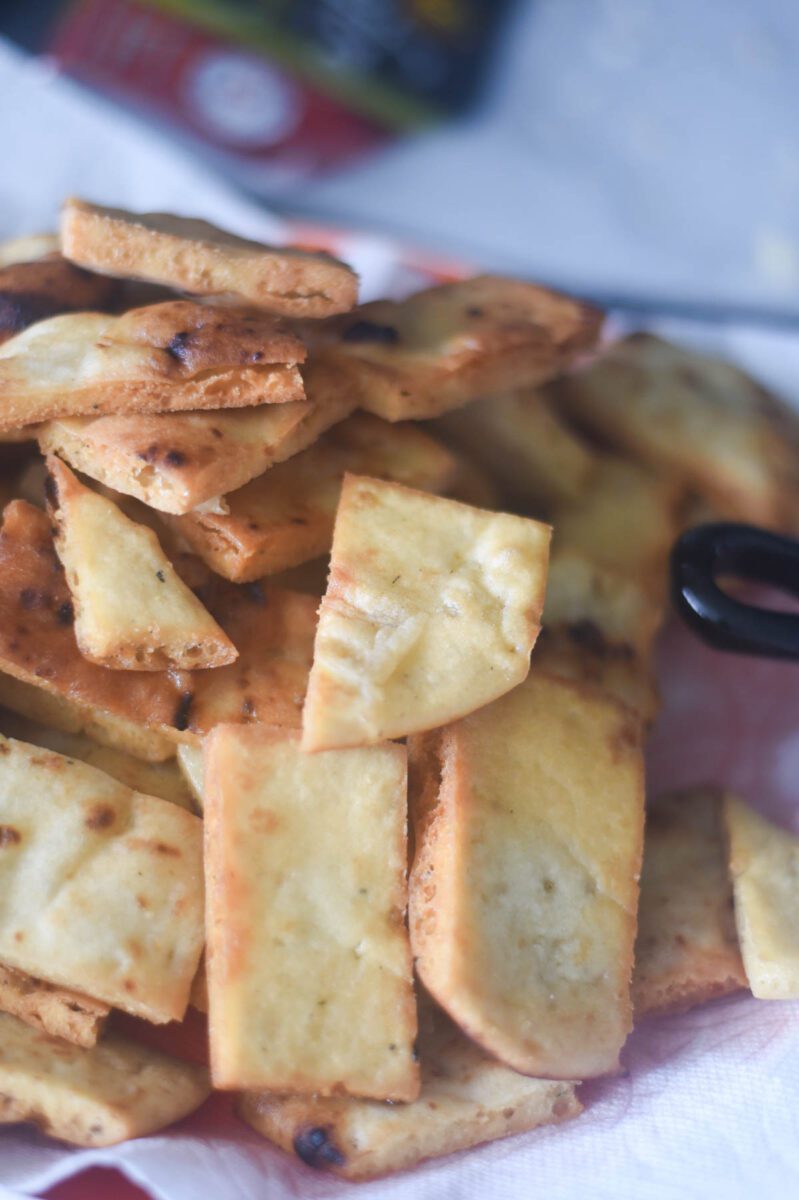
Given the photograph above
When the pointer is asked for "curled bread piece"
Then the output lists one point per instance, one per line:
(466, 1099)
(447, 345)
(272, 629)
(194, 256)
(285, 517)
(99, 1096)
(100, 887)
(764, 864)
(431, 610)
(162, 358)
(54, 1010)
(687, 948)
(308, 961)
(696, 418)
(524, 886)
(132, 609)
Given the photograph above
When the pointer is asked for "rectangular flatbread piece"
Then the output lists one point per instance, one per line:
(33, 291)
(101, 888)
(308, 960)
(194, 256)
(687, 948)
(466, 1099)
(524, 885)
(431, 610)
(99, 1096)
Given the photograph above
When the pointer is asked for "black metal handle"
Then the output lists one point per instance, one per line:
(702, 554)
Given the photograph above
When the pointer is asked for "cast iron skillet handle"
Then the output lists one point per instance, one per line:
(703, 554)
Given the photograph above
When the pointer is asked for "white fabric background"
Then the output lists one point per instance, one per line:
(710, 1104)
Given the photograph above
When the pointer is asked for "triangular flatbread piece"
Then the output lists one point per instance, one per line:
(162, 358)
(132, 609)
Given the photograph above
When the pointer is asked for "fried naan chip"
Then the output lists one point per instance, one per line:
(697, 419)
(524, 885)
(580, 651)
(101, 888)
(466, 1099)
(272, 629)
(285, 517)
(687, 949)
(163, 358)
(308, 960)
(195, 256)
(626, 521)
(92, 1097)
(520, 439)
(28, 248)
(445, 346)
(177, 461)
(132, 609)
(33, 291)
(764, 864)
(162, 779)
(431, 610)
(581, 591)
(53, 1010)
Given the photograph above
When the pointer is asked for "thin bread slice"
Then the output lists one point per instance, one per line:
(626, 521)
(308, 960)
(272, 629)
(522, 441)
(55, 1011)
(285, 517)
(431, 610)
(764, 864)
(132, 609)
(447, 345)
(101, 888)
(625, 610)
(579, 650)
(33, 291)
(195, 256)
(687, 949)
(466, 1099)
(178, 461)
(297, 941)
(109, 1093)
(162, 779)
(696, 418)
(163, 358)
(28, 248)
(55, 710)
(524, 885)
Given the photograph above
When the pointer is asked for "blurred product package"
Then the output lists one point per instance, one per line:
(275, 90)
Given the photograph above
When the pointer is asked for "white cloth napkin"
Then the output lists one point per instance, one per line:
(709, 1105)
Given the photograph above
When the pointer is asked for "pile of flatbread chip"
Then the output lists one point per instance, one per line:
(326, 668)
